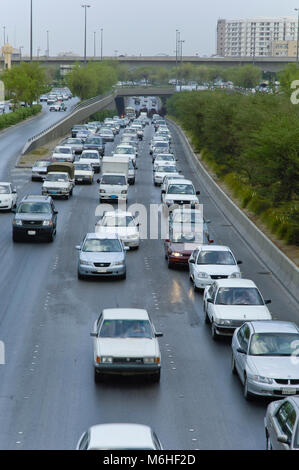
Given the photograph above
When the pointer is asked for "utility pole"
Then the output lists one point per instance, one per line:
(177, 36)
(101, 44)
(31, 31)
(85, 8)
(48, 46)
(94, 44)
(4, 35)
(181, 58)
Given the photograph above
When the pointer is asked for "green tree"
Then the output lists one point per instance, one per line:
(25, 82)
(91, 80)
(247, 76)
(287, 76)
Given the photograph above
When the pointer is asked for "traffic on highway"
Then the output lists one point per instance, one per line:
(133, 314)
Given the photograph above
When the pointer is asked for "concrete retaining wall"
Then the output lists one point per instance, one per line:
(79, 114)
(276, 261)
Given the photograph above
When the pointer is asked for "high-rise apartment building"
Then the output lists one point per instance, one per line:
(253, 37)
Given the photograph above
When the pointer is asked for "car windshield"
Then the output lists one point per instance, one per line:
(124, 150)
(238, 296)
(186, 237)
(96, 245)
(40, 164)
(118, 221)
(34, 208)
(57, 177)
(166, 169)
(90, 156)
(126, 329)
(74, 141)
(113, 179)
(62, 150)
(82, 166)
(215, 257)
(161, 144)
(182, 217)
(274, 344)
(181, 189)
(93, 141)
(165, 158)
(4, 189)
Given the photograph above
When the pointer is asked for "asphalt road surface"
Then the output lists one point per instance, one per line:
(47, 392)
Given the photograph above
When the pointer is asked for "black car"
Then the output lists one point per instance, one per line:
(35, 218)
(95, 143)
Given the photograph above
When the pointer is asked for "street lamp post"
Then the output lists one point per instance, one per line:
(177, 36)
(31, 31)
(181, 41)
(48, 44)
(94, 44)
(4, 35)
(297, 55)
(101, 44)
(20, 49)
(85, 8)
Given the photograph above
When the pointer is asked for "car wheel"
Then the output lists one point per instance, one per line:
(213, 331)
(246, 394)
(233, 365)
(196, 289)
(207, 320)
(15, 238)
(80, 276)
(268, 442)
(51, 237)
(156, 377)
(123, 276)
(169, 264)
(98, 378)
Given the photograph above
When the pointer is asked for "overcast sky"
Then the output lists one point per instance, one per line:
(131, 27)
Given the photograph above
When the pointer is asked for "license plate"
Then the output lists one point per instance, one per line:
(53, 192)
(101, 270)
(113, 196)
(31, 232)
(288, 391)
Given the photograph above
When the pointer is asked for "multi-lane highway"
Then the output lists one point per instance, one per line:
(47, 392)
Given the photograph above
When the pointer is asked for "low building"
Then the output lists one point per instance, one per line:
(284, 48)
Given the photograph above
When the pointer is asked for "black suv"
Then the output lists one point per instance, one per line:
(35, 218)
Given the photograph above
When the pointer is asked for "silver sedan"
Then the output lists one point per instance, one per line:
(265, 356)
(282, 424)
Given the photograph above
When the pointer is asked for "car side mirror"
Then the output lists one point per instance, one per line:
(192, 261)
(163, 191)
(98, 180)
(207, 221)
(239, 262)
(55, 211)
(94, 335)
(158, 334)
(126, 248)
(210, 301)
(197, 193)
(283, 438)
(78, 247)
(14, 191)
(167, 240)
(241, 351)
(268, 301)
(14, 210)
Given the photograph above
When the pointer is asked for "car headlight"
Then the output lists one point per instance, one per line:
(47, 223)
(235, 275)
(106, 359)
(85, 263)
(261, 379)
(149, 360)
(176, 254)
(223, 322)
(17, 222)
(117, 263)
(102, 191)
(124, 192)
(168, 202)
(203, 275)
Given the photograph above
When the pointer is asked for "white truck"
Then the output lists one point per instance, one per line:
(114, 180)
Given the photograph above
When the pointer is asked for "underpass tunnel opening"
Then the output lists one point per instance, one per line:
(145, 104)
(120, 105)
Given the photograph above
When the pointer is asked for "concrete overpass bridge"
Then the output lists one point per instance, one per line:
(267, 64)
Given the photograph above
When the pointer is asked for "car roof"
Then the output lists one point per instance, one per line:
(101, 236)
(36, 198)
(235, 282)
(117, 213)
(274, 326)
(3, 183)
(120, 436)
(182, 181)
(213, 248)
(90, 151)
(125, 313)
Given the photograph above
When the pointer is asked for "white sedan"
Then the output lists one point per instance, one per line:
(208, 263)
(125, 342)
(119, 436)
(83, 173)
(228, 303)
(122, 224)
(8, 196)
(164, 169)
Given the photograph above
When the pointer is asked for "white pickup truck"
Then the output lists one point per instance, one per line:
(114, 180)
(59, 181)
